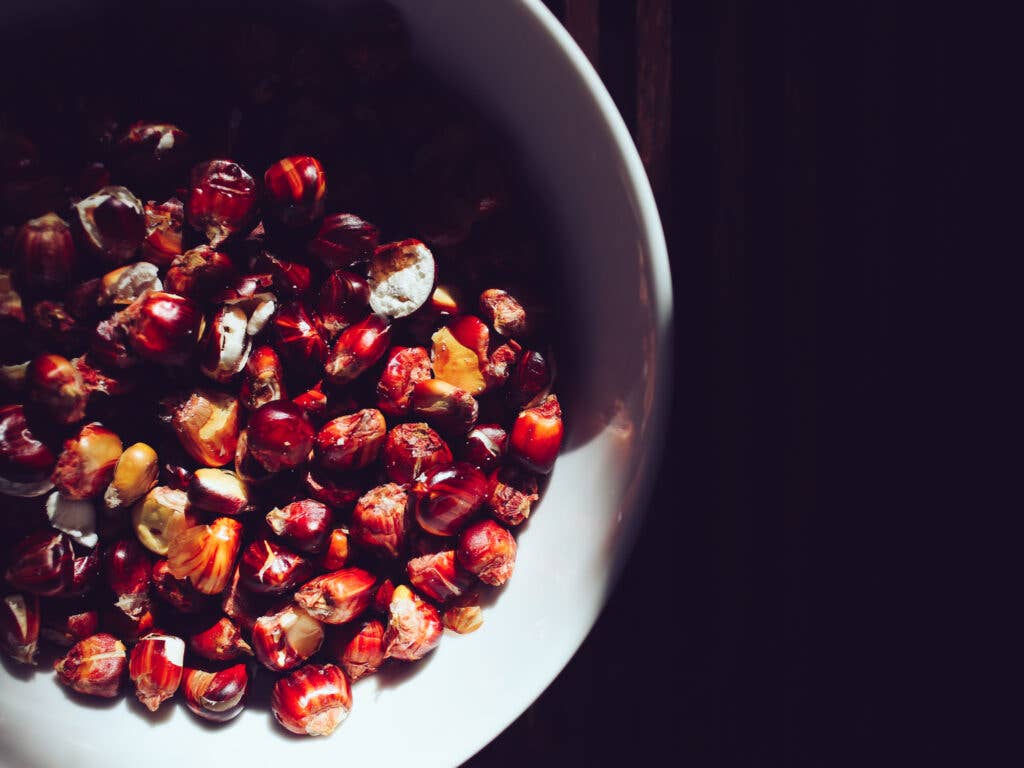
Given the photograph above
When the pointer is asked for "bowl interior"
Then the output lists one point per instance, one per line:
(615, 307)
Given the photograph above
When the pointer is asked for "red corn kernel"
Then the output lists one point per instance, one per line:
(313, 700)
(156, 666)
(127, 568)
(511, 494)
(290, 279)
(344, 240)
(102, 382)
(123, 626)
(445, 299)
(313, 402)
(26, 462)
(304, 525)
(221, 200)
(94, 666)
(344, 299)
(152, 157)
(42, 564)
(205, 554)
(411, 449)
(357, 349)
(85, 573)
(537, 435)
(405, 367)
(247, 468)
(200, 273)
(471, 332)
(178, 593)
(218, 492)
(109, 344)
(86, 465)
(457, 363)
(161, 516)
(337, 597)
(163, 327)
(438, 576)
(135, 475)
(19, 627)
(111, 223)
(336, 554)
(163, 231)
(500, 364)
(339, 493)
(246, 290)
(285, 639)
(269, 569)
(448, 496)
(245, 608)
(294, 190)
(225, 345)
(279, 436)
(357, 648)
(530, 379)
(216, 696)
(45, 252)
(446, 407)
(504, 312)
(382, 597)
(380, 519)
(57, 386)
(485, 446)
(352, 441)
(489, 551)
(262, 380)
(222, 641)
(414, 626)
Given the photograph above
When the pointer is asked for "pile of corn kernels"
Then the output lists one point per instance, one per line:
(244, 435)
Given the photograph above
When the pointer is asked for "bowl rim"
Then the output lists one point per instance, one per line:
(660, 285)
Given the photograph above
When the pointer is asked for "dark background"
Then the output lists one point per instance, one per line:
(814, 168)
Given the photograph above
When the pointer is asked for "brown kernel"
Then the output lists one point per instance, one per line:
(380, 519)
(504, 312)
(94, 666)
(463, 614)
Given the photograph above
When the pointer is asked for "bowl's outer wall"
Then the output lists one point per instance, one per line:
(513, 57)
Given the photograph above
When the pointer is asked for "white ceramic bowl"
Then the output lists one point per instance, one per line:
(515, 58)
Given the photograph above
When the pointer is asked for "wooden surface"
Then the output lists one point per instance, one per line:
(806, 162)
